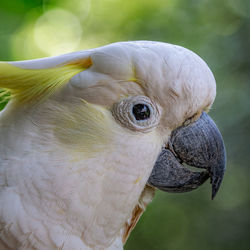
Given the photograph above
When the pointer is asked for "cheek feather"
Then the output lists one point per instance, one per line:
(78, 126)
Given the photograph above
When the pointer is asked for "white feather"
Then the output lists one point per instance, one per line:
(57, 196)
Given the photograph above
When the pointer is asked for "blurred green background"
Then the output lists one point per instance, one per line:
(217, 30)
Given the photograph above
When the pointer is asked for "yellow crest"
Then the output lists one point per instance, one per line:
(26, 85)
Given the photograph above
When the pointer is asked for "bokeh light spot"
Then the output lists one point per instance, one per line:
(57, 31)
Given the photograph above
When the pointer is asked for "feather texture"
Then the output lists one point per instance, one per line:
(71, 177)
(26, 85)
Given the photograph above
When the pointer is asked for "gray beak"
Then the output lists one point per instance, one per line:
(199, 145)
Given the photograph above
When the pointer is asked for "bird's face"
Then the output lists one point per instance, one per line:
(158, 95)
(142, 97)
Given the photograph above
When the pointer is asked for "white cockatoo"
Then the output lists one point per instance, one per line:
(87, 137)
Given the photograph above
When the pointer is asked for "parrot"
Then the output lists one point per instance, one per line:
(88, 137)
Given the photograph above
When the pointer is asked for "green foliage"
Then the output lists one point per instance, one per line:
(218, 30)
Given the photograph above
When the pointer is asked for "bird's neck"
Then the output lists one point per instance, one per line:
(64, 197)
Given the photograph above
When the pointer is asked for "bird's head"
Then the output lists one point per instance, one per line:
(137, 92)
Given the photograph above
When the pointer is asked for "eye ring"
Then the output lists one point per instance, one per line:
(130, 117)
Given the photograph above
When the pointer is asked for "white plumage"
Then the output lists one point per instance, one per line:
(71, 176)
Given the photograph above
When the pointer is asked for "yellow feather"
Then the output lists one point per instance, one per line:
(27, 85)
(82, 127)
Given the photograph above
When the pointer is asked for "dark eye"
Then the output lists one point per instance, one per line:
(141, 112)
(137, 113)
